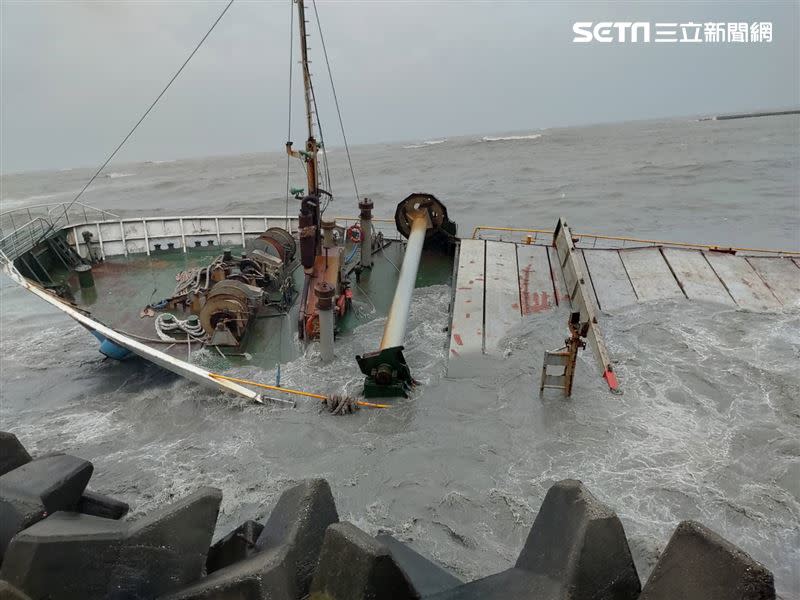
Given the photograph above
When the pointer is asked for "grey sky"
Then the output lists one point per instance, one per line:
(77, 75)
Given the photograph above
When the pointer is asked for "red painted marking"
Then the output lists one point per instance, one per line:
(453, 351)
(458, 340)
(515, 306)
(532, 302)
(611, 379)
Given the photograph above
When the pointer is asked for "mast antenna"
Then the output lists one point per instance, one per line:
(312, 146)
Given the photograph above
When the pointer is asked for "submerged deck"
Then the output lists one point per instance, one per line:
(124, 285)
(500, 282)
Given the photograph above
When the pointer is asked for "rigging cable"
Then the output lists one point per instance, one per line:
(289, 134)
(335, 99)
(147, 112)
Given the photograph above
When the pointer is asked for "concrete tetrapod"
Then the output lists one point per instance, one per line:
(576, 550)
(286, 551)
(72, 556)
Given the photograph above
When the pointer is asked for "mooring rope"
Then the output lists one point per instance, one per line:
(334, 400)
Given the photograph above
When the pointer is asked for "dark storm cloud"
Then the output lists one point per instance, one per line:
(76, 76)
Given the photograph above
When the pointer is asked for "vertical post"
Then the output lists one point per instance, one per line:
(366, 233)
(324, 292)
(183, 236)
(311, 143)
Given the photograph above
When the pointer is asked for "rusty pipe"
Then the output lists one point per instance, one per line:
(394, 331)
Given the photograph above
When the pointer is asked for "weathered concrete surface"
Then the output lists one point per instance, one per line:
(576, 550)
(83, 557)
(287, 551)
(698, 564)
(237, 545)
(36, 489)
(12, 453)
(9, 592)
(355, 566)
(425, 576)
(580, 541)
(98, 505)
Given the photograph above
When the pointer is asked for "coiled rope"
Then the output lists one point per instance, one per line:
(167, 322)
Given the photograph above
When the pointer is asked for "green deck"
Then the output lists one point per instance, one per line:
(126, 285)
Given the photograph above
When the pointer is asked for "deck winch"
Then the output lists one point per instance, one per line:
(419, 218)
(226, 294)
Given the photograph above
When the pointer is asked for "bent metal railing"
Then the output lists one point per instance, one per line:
(593, 240)
(21, 229)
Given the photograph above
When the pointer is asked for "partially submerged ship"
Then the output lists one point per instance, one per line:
(247, 286)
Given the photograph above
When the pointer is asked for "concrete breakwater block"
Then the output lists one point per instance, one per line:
(576, 550)
(698, 564)
(355, 566)
(98, 505)
(286, 551)
(12, 453)
(237, 545)
(425, 576)
(72, 556)
(41, 487)
(9, 592)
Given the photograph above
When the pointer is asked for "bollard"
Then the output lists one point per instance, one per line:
(85, 277)
(324, 292)
(366, 233)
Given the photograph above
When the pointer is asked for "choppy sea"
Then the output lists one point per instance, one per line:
(708, 427)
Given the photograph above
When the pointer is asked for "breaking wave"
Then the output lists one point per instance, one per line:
(425, 144)
(117, 175)
(511, 138)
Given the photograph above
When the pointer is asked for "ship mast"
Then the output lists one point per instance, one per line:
(312, 147)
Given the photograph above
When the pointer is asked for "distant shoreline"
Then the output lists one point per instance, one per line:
(751, 115)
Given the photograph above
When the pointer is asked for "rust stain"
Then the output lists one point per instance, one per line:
(532, 302)
(515, 306)
(453, 351)
(467, 315)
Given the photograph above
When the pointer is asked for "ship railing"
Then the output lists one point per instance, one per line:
(24, 238)
(58, 214)
(544, 237)
(148, 235)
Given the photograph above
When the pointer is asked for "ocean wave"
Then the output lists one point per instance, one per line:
(26, 199)
(117, 175)
(425, 144)
(159, 162)
(511, 138)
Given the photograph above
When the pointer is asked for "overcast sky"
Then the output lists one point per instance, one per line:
(77, 75)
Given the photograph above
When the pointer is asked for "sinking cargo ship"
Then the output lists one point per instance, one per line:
(246, 286)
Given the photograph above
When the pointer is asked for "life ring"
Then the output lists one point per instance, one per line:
(354, 233)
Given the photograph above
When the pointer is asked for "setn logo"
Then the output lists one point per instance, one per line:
(607, 31)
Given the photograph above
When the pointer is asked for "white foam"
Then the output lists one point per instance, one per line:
(117, 175)
(511, 138)
(425, 144)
